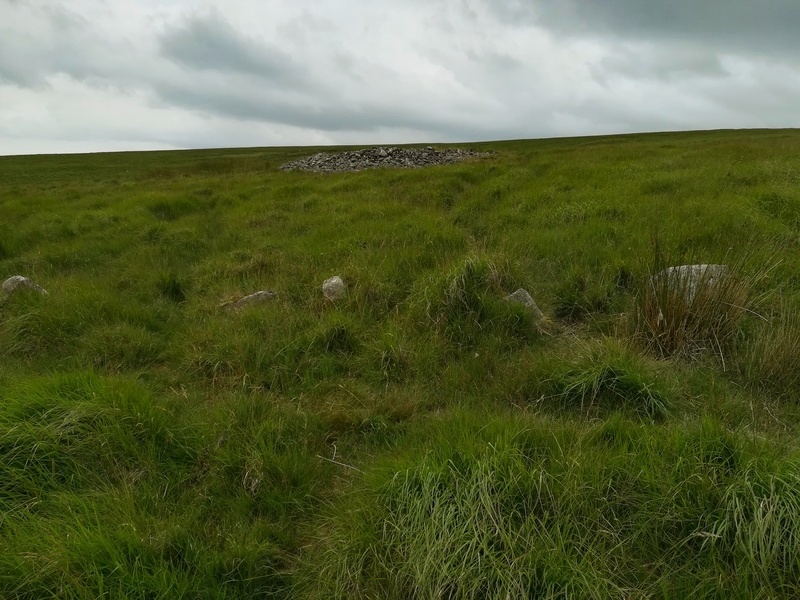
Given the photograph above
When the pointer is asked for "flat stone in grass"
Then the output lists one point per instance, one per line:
(18, 283)
(522, 296)
(250, 300)
(334, 288)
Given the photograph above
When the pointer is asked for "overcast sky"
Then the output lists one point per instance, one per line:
(93, 75)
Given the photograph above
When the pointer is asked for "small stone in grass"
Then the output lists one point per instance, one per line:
(334, 288)
(521, 296)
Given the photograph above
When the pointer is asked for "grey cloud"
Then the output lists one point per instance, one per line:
(13, 70)
(496, 62)
(306, 25)
(321, 113)
(730, 20)
(779, 89)
(607, 114)
(49, 40)
(666, 62)
(230, 75)
(209, 42)
(767, 28)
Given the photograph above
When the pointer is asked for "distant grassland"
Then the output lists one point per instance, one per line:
(422, 438)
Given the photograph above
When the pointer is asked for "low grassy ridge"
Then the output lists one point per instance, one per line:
(421, 438)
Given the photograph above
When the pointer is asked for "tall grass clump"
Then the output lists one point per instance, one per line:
(756, 531)
(768, 359)
(73, 430)
(106, 490)
(580, 297)
(598, 377)
(6, 248)
(689, 312)
(467, 303)
(172, 288)
(543, 510)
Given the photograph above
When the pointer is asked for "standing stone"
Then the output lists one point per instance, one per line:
(334, 288)
(18, 283)
(691, 278)
(521, 296)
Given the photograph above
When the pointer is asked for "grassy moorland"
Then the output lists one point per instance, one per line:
(421, 438)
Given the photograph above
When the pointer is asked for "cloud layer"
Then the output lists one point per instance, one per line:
(108, 74)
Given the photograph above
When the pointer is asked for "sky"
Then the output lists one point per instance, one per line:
(101, 75)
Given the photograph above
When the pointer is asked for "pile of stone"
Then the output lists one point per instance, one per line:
(374, 158)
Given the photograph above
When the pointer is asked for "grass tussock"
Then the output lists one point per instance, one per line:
(7, 249)
(600, 377)
(468, 304)
(582, 297)
(770, 354)
(107, 490)
(172, 288)
(551, 511)
(694, 310)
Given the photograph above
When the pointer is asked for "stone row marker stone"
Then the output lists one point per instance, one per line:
(18, 283)
(256, 298)
(334, 288)
(373, 158)
(692, 277)
(522, 296)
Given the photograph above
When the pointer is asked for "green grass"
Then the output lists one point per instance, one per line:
(422, 437)
(531, 508)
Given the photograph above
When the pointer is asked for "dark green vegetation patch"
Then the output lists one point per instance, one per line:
(421, 437)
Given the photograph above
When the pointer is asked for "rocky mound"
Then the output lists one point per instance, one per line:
(373, 158)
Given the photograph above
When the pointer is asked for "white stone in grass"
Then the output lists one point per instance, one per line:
(251, 299)
(692, 277)
(522, 296)
(18, 283)
(334, 288)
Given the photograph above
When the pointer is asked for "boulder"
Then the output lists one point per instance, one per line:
(334, 288)
(251, 299)
(691, 278)
(18, 283)
(522, 296)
